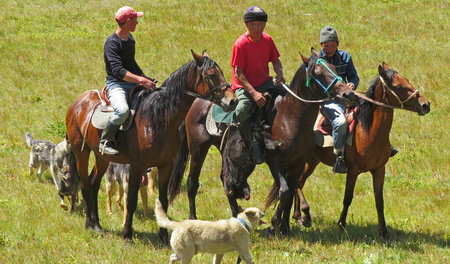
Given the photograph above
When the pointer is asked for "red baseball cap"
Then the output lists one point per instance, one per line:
(125, 12)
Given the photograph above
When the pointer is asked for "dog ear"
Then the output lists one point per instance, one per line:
(250, 213)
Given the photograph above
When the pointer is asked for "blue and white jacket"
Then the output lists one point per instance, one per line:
(344, 66)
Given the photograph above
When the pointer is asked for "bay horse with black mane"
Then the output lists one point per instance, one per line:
(291, 127)
(370, 149)
(151, 141)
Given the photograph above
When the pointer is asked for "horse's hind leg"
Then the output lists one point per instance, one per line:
(378, 182)
(95, 179)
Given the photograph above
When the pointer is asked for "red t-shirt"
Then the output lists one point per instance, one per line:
(253, 58)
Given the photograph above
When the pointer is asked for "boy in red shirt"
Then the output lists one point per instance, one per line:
(252, 53)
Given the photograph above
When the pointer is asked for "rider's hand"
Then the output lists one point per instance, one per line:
(351, 86)
(279, 79)
(147, 83)
(259, 99)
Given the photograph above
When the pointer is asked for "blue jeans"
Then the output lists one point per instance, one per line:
(335, 112)
(118, 94)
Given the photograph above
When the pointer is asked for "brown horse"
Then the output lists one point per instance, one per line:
(370, 149)
(152, 140)
(292, 127)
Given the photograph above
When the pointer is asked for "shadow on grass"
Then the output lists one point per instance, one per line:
(331, 233)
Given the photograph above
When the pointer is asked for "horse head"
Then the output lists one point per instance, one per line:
(321, 77)
(399, 92)
(211, 84)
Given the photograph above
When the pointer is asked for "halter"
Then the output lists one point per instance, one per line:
(395, 94)
(326, 89)
(212, 90)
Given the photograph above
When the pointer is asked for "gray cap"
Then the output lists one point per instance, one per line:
(328, 33)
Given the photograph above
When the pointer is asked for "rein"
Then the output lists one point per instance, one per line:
(325, 89)
(386, 88)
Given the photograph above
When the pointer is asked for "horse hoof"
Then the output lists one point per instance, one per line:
(98, 229)
(129, 242)
(306, 222)
(270, 232)
(63, 206)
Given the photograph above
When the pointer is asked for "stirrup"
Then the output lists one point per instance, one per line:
(339, 164)
(256, 153)
(105, 145)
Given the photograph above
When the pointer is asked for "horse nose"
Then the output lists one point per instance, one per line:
(426, 107)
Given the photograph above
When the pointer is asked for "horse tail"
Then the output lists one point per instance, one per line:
(179, 164)
(273, 195)
(161, 216)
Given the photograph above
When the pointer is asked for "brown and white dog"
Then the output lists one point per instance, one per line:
(44, 154)
(193, 236)
(119, 174)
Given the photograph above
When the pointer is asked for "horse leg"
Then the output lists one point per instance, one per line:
(136, 172)
(378, 182)
(163, 182)
(278, 174)
(300, 200)
(95, 178)
(82, 162)
(348, 196)
(196, 163)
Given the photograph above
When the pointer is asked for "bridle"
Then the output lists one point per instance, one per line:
(386, 89)
(212, 90)
(325, 89)
(395, 94)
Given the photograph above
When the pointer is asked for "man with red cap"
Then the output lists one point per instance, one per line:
(123, 73)
(252, 53)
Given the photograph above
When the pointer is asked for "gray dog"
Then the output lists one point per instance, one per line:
(44, 154)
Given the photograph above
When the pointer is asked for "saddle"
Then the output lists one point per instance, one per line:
(323, 129)
(102, 113)
(218, 121)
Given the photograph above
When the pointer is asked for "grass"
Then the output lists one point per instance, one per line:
(52, 52)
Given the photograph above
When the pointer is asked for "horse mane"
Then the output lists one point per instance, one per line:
(365, 113)
(162, 106)
(295, 83)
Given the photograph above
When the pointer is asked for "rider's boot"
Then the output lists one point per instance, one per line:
(247, 135)
(107, 142)
(339, 163)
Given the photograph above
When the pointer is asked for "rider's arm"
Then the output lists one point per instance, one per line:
(259, 99)
(142, 80)
(278, 68)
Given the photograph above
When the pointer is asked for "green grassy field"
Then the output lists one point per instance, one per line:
(52, 51)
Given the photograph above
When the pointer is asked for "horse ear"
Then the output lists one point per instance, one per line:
(386, 66)
(382, 72)
(205, 54)
(304, 59)
(314, 52)
(198, 59)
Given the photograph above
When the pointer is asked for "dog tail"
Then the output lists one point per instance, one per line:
(161, 216)
(28, 139)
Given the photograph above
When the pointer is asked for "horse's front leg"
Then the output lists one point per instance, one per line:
(163, 181)
(348, 196)
(301, 203)
(196, 163)
(378, 182)
(136, 172)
